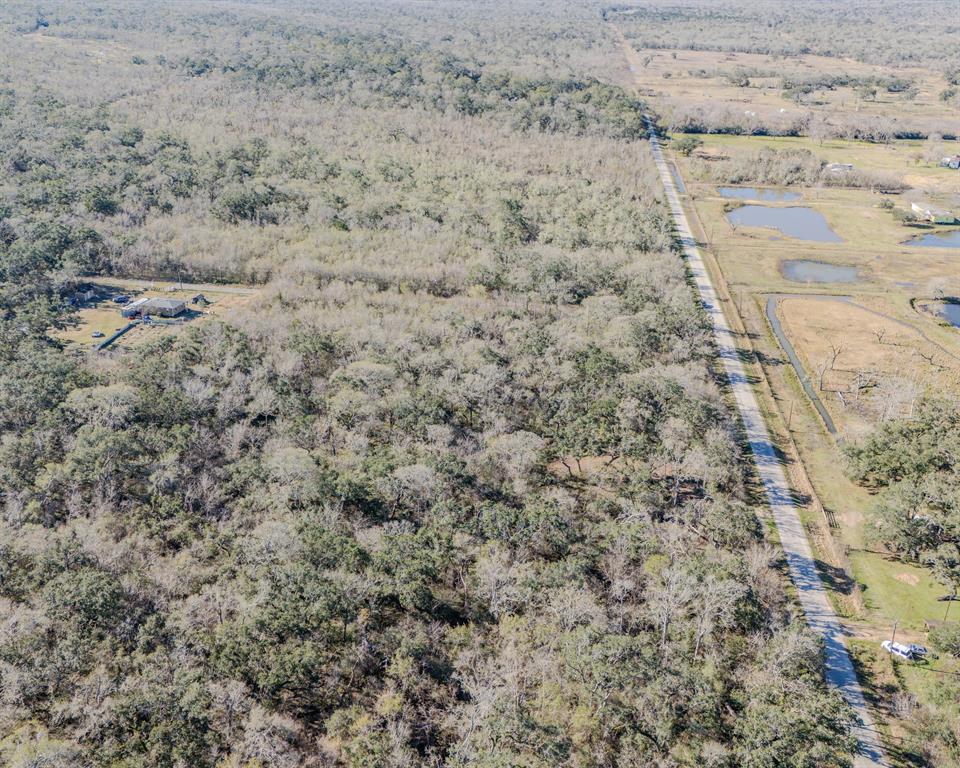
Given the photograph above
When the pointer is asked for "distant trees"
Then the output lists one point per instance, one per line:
(903, 216)
(688, 116)
(905, 35)
(789, 167)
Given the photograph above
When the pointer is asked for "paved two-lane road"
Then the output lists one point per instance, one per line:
(803, 571)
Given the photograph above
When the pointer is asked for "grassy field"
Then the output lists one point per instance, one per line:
(872, 364)
(897, 591)
(891, 278)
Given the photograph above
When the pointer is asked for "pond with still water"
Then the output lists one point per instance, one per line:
(752, 193)
(794, 221)
(804, 271)
(951, 313)
(949, 239)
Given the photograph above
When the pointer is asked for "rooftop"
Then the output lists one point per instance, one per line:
(161, 303)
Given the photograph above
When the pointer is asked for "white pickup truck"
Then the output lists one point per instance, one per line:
(911, 652)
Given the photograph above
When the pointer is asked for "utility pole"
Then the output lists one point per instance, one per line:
(949, 603)
(894, 635)
(790, 416)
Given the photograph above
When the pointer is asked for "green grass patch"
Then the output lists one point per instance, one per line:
(897, 591)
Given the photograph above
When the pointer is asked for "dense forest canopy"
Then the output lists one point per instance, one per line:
(291, 176)
(459, 488)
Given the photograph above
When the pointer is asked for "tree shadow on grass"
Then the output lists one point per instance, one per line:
(836, 578)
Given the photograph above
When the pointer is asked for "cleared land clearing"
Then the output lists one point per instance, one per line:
(104, 316)
(873, 240)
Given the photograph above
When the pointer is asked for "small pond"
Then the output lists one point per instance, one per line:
(795, 221)
(949, 239)
(804, 271)
(766, 195)
(951, 313)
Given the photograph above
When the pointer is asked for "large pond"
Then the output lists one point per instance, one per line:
(765, 195)
(794, 221)
(949, 239)
(804, 271)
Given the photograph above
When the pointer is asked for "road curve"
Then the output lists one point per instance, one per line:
(803, 572)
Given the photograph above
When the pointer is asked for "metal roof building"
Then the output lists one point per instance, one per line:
(154, 306)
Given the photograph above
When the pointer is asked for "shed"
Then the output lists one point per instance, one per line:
(84, 292)
(839, 167)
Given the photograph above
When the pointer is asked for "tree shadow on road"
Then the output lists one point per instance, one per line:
(836, 578)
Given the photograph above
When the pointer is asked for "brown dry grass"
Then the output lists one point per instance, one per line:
(897, 359)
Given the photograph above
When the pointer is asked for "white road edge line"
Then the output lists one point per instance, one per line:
(803, 572)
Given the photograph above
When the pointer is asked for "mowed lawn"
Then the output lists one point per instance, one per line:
(898, 591)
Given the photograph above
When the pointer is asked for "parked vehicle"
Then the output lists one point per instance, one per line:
(917, 650)
(97, 334)
(898, 650)
(121, 299)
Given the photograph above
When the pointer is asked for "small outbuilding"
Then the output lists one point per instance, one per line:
(951, 162)
(839, 167)
(83, 293)
(926, 212)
